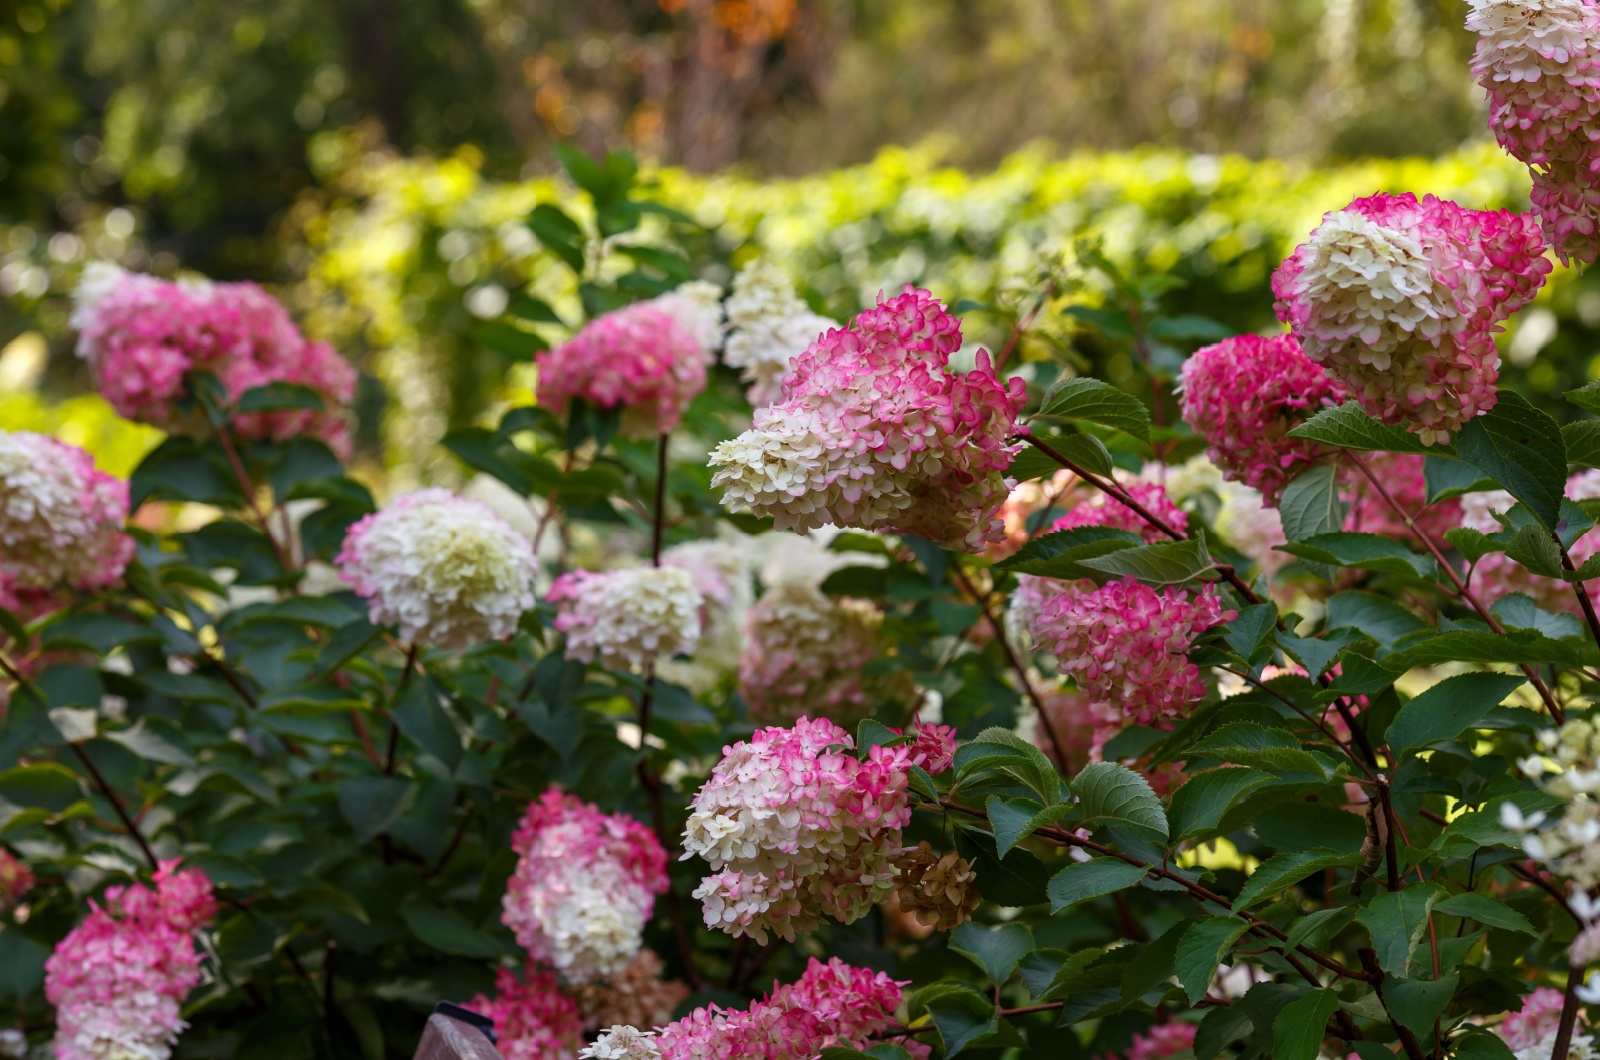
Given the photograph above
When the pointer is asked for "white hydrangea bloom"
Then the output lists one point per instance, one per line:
(1582, 1048)
(446, 570)
(60, 519)
(591, 926)
(697, 305)
(1246, 522)
(622, 1043)
(722, 575)
(768, 324)
(627, 618)
(1525, 40)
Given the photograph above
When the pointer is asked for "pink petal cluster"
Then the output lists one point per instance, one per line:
(1244, 395)
(143, 336)
(1124, 643)
(873, 431)
(1496, 574)
(627, 618)
(804, 653)
(1091, 507)
(1399, 300)
(1019, 515)
(933, 747)
(642, 358)
(1535, 1021)
(61, 521)
(1403, 477)
(832, 1005)
(119, 979)
(1539, 61)
(1162, 1040)
(1083, 725)
(16, 880)
(796, 828)
(533, 1018)
(584, 886)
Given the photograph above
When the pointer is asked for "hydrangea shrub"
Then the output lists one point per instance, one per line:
(783, 687)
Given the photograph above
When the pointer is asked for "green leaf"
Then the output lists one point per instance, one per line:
(1154, 964)
(1110, 793)
(1002, 749)
(1582, 441)
(960, 1013)
(1585, 397)
(1031, 464)
(154, 739)
(1167, 563)
(448, 933)
(1416, 1003)
(1085, 880)
(1013, 820)
(1443, 711)
(534, 310)
(1446, 478)
(1534, 548)
(1476, 646)
(1349, 427)
(1311, 924)
(1519, 447)
(372, 804)
(1486, 910)
(1097, 402)
(21, 965)
(1475, 1043)
(1316, 654)
(278, 397)
(559, 233)
(1189, 326)
(1362, 551)
(1281, 871)
(1516, 611)
(418, 714)
(1396, 921)
(996, 950)
(1248, 633)
(1220, 1026)
(1199, 805)
(1059, 554)
(43, 784)
(1298, 1031)
(1311, 504)
(1381, 619)
(1244, 743)
(181, 469)
(1202, 948)
(1085, 450)
(502, 336)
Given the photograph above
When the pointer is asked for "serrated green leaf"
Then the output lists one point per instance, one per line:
(1199, 805)
(1519, 447)
(1349, 427)
(1486, 910)
(1396, 921)
(1534, 548)
(1416, 1003)
(961, 1014)
(1110, 793)
(1013, 820)
(1363, 552)
(278, 397)
(996, 950)
(1472, 544)
(1445, 478)
(1058, 554)
(1379, 618)
(1085, 880)
(1475, 1043)
(1452, 705)
(1155, 963)
(1516, 611)
(1202, 948)
(1309, 925)
(1474, 646)
(1298, 1031)
(1582, 441)
(1098, 402)
(1316, 654)
(1283, 870)
(1585, 397)
(1311, 504)
(1244, 743)
(1167, 563)
(1253, 629)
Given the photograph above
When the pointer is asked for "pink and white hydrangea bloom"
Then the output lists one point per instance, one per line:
(446, 570)
(1539, 62)
(697, 306)
(119, 979)
(533, 1018)
(584, 887)
(1496, 574)
(61, 521)
(832, 1005)
(1530, 1032)
(721, 572)
(796, 828)
(625, 619)
(804, 652)
(1244, 395)
(1125, 643)
(874, 432)
(1399, 301)
(769, 326)
(143, 336)
(648, 359)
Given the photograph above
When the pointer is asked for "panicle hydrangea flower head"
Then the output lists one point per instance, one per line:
(1399, 300)
(446, 570)
(584, 886)
(1244, 395)
(804, 653)
(1082, 724)
(874, 432)
(697, 306)
(643, 358)
(1124, 643)
(60, 519)
(1091, 507)
(933, 747)
(1162, 1040)
(1405, 479)
(142, 336)
(1535, 1021)
(769, 326)
(533, 1018)
(637, 996)
(1246, 522)
(832, 1005)
(795, 828)
(721, 573)
(16, 880)
(1497, 575)
(627, 618)
(119, 979)
(1539, 62)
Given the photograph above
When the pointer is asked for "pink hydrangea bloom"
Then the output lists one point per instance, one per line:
(1020, 514)
(142, 337)
(1535, 1021)
(119, 979)
(1083, 725)
(832, 1005)
(1539, 62)
(584, 887)
(1402, 475)
(874, 432)
(533, 1018)
(1399, 301)
(933, 747)
(1124, 643)
(16, 880)
(803, 654)
(1244, 395)
(1091, 507)
(1162, 1040)
(641, 358)
(61, 521)
(1496, 574)
(796, 828)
